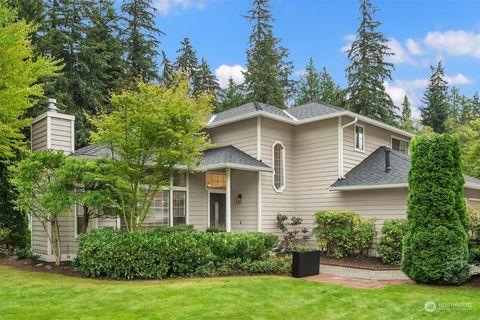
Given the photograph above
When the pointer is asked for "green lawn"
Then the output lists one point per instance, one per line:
(26, 295)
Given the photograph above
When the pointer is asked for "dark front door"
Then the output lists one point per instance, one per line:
(217, 209)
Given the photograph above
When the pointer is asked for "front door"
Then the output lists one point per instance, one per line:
(217, 209)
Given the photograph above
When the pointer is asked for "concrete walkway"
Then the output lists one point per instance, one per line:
(355, 282)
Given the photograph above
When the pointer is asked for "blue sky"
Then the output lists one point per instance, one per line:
(422, 32)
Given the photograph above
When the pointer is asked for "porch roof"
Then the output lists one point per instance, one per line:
(231, 157)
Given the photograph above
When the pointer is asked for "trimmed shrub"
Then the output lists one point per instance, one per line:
(168, 229)
(154, 255)
(435, 248)
(343, 233)
(390, 246)
(474, 235)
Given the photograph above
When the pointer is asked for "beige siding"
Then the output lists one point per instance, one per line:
(374, 137)
(197, 201)
(39, 238)
(241, 134)
(244, 214)
(274, 202)
(39, 135)
(61, 134)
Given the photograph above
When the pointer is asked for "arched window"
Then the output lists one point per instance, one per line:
(278, 166)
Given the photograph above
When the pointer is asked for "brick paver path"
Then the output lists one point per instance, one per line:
(355, 282)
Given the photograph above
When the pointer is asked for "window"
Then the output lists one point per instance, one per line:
(216, 180)
(79, 219)
(179, 179)
(179, 207)
(278, 167)
(159, 214)
(359, 138)
(400, 145)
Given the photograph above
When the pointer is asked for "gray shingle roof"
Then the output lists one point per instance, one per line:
(312, 110)
(221, 157)
(251, 107)
(371, 172)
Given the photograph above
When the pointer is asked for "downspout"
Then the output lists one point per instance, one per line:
(340, 145)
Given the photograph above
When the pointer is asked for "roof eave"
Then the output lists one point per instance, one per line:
(233, 166)
(369, 187)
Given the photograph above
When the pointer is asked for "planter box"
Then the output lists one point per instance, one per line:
(306, 264)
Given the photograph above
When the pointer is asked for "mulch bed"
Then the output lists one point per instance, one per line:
(65, 268)
(369, 263)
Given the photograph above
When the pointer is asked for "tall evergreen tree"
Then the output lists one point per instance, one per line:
(267, 78)
(167, 75)
(406, 121)
(436, 109)
(330, 93)
(369, 69)
(476, 105)
(308, 87)
(205, 81)
(232, 96)
(187, 61)
(141, 38)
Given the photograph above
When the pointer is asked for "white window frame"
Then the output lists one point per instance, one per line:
(401, 139)
(172, 188)
(283, 173)
(209, 191)
(355, 138)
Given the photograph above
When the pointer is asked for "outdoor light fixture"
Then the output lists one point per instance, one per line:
(239, 199)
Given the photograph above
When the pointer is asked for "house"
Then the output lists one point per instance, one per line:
(266, 161)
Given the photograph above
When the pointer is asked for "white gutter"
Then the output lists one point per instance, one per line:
(290, 116)
(340, 145)
(367, 187)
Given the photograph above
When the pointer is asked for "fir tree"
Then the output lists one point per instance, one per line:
(330, 93)
(369, 69)
(267, 78)
(476, 105)
(308, 88)
(205, 81)
(187, 61)
(167, 71)
(406, 121)
(436, 109)
(141, 38)
(232, 96)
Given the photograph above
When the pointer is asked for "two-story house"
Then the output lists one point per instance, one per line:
(266, 161)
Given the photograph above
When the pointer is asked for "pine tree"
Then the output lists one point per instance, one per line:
(205, 81)
(456, 104)
(232, 96)
(369, 69)
(167, 75)
(141, 38)
(308, 87)
(267, 78)
(187, 62)
(476, 105)
(436, 109)
(330, 93)
(406, 121)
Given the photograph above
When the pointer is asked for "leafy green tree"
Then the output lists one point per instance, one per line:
(232, 96)
(151, 131)
(406, 122)
(476, 105)
(435, 246)
(436, 109)
(20, 88)
(308, 87)
(33, 180)
(469, 136)
(369, 69)
(89, 184)
(141, 38)
(267, 78)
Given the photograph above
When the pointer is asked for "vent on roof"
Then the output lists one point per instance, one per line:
(388, 167)
(258, 106)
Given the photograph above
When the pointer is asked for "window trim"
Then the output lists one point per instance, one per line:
(283, 173)
(401, 139)
(355, 137)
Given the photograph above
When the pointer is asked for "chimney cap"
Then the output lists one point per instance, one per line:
(52, 104)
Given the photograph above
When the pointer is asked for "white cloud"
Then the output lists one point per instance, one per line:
(454, 42)
(400, 54)
(459, 78)
(165, 7)
(225, 72)
(414, 48)
(397, 93)
(349, 38)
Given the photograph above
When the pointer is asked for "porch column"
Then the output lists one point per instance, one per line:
(227, 200)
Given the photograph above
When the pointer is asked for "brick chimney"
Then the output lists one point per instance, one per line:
(53, 130)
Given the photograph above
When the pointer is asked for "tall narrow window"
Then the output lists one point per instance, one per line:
(278, 167)
(179, 207)
(359, 138)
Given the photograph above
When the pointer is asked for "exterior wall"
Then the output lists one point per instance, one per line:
(374, 137)
(39, 135)
(244, 214)
(274, 202)
(61, 134)
(39, 238)
(241, 134)
(197, 201)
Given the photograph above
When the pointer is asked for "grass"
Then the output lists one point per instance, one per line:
(51, 296)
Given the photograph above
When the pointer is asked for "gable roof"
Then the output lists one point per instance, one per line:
(371, 174)
(215, 158)
(296, 115)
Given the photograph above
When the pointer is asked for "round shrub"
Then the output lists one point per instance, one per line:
(343, 233)
(390, 246)
(435, 248)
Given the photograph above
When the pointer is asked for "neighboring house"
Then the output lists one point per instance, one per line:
(266, 161)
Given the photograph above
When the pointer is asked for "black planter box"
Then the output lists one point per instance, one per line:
(306, 264)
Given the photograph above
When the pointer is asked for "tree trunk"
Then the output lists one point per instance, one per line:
(56, 246)
(85, 220)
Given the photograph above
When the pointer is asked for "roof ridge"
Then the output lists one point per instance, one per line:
(257, 106)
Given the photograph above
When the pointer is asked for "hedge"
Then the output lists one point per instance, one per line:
(155, 255)
(391, 238)
(343, 233)
(435, 248)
